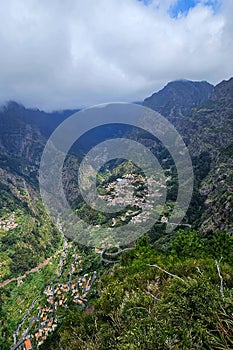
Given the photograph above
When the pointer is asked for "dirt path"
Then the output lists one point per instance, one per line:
(33, 270)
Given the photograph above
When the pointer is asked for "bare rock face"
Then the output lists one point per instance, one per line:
(203, 115)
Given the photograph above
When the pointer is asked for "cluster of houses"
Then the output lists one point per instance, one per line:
(47, 323)
(47, 326)
(122, 192)
(8, 224)
(58, 296)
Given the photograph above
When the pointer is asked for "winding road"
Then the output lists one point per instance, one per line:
(33, 270)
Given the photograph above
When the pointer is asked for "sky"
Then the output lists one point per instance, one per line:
(67, 54)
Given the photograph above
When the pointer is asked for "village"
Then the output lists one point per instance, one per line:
(75, 290)
(131, 190)
(57, 296)
(9, 223)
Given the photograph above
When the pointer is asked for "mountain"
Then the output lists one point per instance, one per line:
(33, 238)
(132, 298)
(211, 131)
(177, 99)
(203, 115)
(200, 112)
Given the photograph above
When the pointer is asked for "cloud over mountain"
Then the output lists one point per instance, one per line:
(60, 54)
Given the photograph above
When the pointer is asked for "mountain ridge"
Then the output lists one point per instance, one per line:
(179, 97)
(208, 129)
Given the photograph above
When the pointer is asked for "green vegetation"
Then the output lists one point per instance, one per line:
(31, 242)
(169, 290)
(15, 300)
(159, 300)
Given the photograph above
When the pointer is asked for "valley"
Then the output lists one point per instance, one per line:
(57, 294)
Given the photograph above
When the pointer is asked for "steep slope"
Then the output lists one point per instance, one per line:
(45, 122)
(156, 300)
(134, 298)
(178, 98)
(213, 125)
(203, 115)
(27, 236)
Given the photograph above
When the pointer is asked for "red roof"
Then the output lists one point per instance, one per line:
(28, 344)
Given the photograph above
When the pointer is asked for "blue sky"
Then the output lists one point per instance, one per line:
(183, 6)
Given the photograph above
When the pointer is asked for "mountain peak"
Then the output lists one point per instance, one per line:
(223, 92)
(12, 106)
(179, 97)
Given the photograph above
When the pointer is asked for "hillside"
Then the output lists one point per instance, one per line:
(213, 125)
(204, 119)
(33, 237)
(178, 98)
(133, 289)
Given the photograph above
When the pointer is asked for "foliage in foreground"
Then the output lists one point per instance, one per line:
(175, 304)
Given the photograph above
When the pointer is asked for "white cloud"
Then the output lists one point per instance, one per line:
(62, 54)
